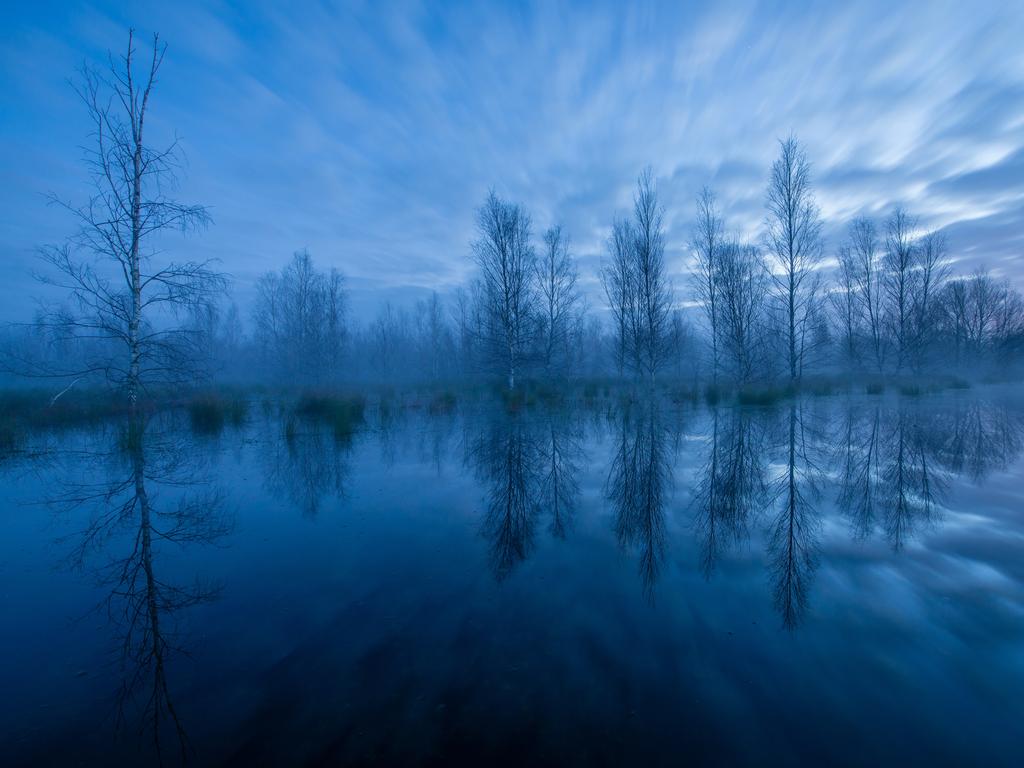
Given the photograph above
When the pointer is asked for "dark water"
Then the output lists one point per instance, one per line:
(833, 580)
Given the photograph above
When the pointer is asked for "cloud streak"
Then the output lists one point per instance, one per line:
(370, 137)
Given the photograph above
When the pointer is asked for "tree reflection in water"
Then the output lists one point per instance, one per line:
(506, 455)
(528, 465)
(895, 462)
(155, 497)
(731, 488)
(306, 461)
(638, 483)
(792, 541)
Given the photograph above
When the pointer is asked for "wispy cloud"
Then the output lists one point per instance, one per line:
(369, 135)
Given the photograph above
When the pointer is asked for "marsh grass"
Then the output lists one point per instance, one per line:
(209, 412)
(23, 412)
(762, 396)
(344, 413)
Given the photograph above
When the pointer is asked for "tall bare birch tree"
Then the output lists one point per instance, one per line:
(708, 241)
(654, 290)
(560, 301)
(118, 283)
(899, 277)
(506, 260)
(619, 281)
(864, 248)
(794, 240)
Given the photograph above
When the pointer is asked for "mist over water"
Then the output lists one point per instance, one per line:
(599, 579)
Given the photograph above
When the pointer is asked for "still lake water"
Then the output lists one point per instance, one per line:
(830, 580)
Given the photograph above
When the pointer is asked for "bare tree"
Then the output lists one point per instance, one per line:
(708, 240)
(931, 272)
(463, 315)
(742, 291)
(899, 277)
(863, 245)
(654, 291)
(619, 282)
(506, 260)
(299, 319)
(983, 318)
(637, 286)
(794, 239)
(435, 340)
(561, 303)
(844, 303)
(122, 299)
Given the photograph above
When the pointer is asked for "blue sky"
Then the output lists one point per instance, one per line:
(369, 132)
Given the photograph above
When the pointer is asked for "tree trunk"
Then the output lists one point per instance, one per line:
(136, 280)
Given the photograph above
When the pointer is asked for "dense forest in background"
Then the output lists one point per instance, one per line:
(776, 310)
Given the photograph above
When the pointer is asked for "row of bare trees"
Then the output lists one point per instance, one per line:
(525, 308)
(637, 286)
(774, 308)
(893, 306)
(299, 321)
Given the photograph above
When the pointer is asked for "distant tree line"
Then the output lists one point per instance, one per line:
(776, 308)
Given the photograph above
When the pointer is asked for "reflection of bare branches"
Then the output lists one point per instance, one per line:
(889, 467)
(560, 449)
(140, 603)
(977, 437)
(506, 458)
(792, 544)
(732, 485)
(858, 449)
(910, 486)
(306, 463)
(637, 485)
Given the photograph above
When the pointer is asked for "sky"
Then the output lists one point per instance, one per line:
(369, 133)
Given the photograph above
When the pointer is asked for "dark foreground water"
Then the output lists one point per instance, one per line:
(833, 580)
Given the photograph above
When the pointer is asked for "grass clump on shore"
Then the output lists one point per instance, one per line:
(25, 411)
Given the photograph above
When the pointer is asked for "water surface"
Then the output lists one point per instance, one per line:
(834, 579)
